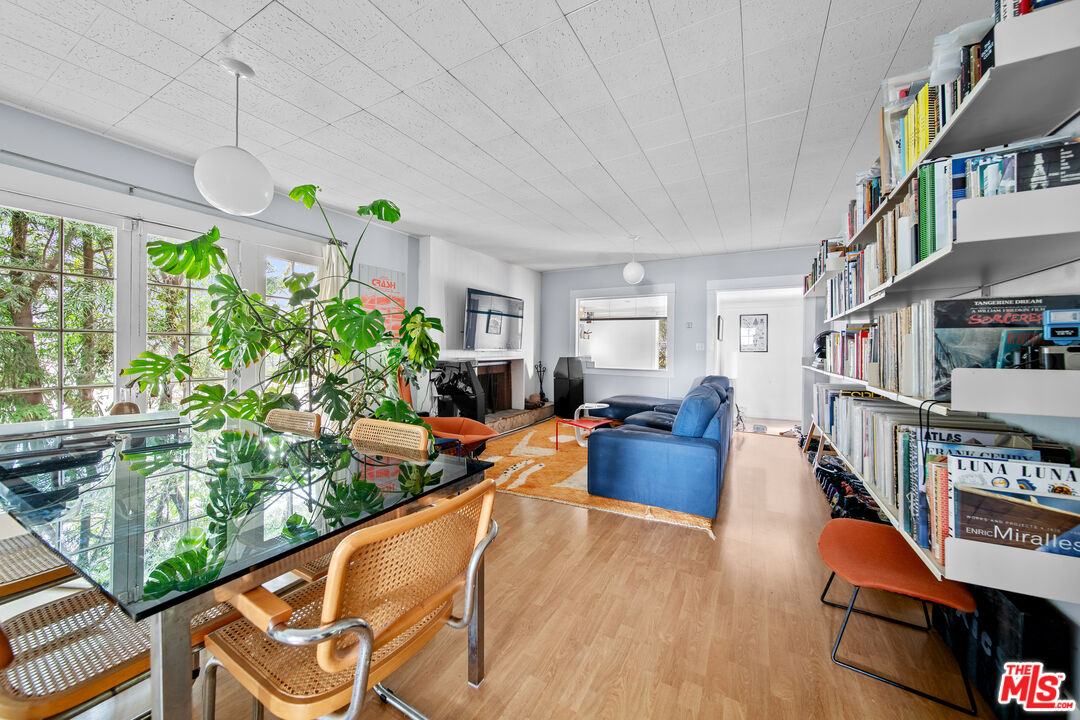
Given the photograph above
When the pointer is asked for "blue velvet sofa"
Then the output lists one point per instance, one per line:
(669, 453)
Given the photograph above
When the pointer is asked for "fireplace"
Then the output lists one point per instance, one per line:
(495, 379)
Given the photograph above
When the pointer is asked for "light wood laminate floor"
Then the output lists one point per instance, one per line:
(595, 615)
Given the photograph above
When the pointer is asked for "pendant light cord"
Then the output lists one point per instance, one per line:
(237, 142)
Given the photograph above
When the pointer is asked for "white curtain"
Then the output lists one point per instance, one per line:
(332, 273)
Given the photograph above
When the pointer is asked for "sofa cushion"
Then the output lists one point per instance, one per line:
(621, 407)
(720, 382)
(652, 418)
(640, 429)
(697, 410)
(671, 408)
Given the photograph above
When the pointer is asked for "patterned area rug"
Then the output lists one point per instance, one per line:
(526, 463)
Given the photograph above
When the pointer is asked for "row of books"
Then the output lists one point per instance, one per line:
(1008, 9)
(868, 196)
(940, 481)
(914, 350)
(830, 252)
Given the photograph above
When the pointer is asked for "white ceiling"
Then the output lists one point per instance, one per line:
(543, 132)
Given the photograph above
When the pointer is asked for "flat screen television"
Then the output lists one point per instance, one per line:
(493, 321)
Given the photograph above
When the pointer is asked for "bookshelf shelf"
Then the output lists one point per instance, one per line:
(938, 408)
(1015, 569)
(890, 512)
(1029, 392)
(998, 238)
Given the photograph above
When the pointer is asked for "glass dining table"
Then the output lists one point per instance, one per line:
(168, 519)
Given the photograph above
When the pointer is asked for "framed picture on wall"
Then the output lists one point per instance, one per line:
(494, 324)
(754, 333)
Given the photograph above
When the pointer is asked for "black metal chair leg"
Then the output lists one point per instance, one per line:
(970, 710)
(905, 623)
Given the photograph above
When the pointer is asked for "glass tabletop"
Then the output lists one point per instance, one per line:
(157, 513)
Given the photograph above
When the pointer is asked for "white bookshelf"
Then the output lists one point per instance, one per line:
(1031, 92)
(998, 238)
(1017, 391)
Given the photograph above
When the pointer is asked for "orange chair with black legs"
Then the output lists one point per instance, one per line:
(470, 435)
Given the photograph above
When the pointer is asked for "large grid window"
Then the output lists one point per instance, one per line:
(624, 333)
(57, 317)
(276, 272)
(177, 312)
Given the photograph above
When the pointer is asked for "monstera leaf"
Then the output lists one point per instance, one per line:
(210, 401)
(399, 411)
(298, 528)
(193, 565)
(361, 329)
(421, 350)
(301, 288)
(152, 371)
(194, 259)
(413, 478)
(255, 406)
(381, 210)
(304, 194)
(351, 500)
(240, 348)
(331, 398)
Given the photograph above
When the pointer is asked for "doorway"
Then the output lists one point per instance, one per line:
(759, 345)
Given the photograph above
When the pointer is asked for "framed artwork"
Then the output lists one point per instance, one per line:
(754, 333)
(494, 324)
(720, 327)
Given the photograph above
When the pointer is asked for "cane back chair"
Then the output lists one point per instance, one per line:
(389, 588)
(67, 655)
(382, 437)
(28, 565)
(294, 421)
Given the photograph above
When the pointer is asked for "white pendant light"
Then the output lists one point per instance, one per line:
(633, 272)
(232, 179)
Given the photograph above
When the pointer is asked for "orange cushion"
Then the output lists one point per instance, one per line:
(876, 556)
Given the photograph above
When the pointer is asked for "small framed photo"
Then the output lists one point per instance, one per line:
(494, 324)
(754, 333)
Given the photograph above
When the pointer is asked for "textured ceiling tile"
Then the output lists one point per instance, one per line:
(708, 119)
(446, 97)
(271, 72)
(836, 80)
(111, 64)
(397, 57)
(232, 13)
(449, 31)
(501, 85)
(100, 112)
(771, 100)
(597, 123)
(508, 19)
(613, 146)
(283, 33)
(17, 87)
(792, 62)
(510, 148)
(30, 60)
(579, 91)
(872, 35)
(108, 91)
(611, 27)
(74, 15)
(672, 15)
(126, 37)
(641, 67)
(715, 85)
(549, 52)
(769, 23)
(650, 104)
(355, 81)
(680, 153)
(350, 23)
(659, 133)
(711, 42)
(410, 117)
(175, 19)
(222, 113)
(319, 100)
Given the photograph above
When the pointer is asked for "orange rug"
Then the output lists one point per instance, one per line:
(526, 463)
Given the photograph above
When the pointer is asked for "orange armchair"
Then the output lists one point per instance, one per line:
(470, 433)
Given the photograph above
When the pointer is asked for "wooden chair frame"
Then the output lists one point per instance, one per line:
(271, 613)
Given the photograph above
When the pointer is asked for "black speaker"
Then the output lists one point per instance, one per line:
(569, 379)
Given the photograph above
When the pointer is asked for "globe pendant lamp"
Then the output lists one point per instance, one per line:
(232, 179)
(633, 272)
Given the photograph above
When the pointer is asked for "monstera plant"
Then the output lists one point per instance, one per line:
(339, 353)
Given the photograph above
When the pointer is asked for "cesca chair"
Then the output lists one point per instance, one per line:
(294, 421)
(66, 656)
(388, 590)
(27, 565)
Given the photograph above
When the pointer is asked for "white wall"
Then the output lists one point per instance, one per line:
(770, 383)
(692, 281)
(448, 270)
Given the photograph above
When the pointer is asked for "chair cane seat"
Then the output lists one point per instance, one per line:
(313, 569)
(287, 679)
(27, 563)
(77, 648)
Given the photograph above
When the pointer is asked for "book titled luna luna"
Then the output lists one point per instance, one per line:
(1025, 476)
